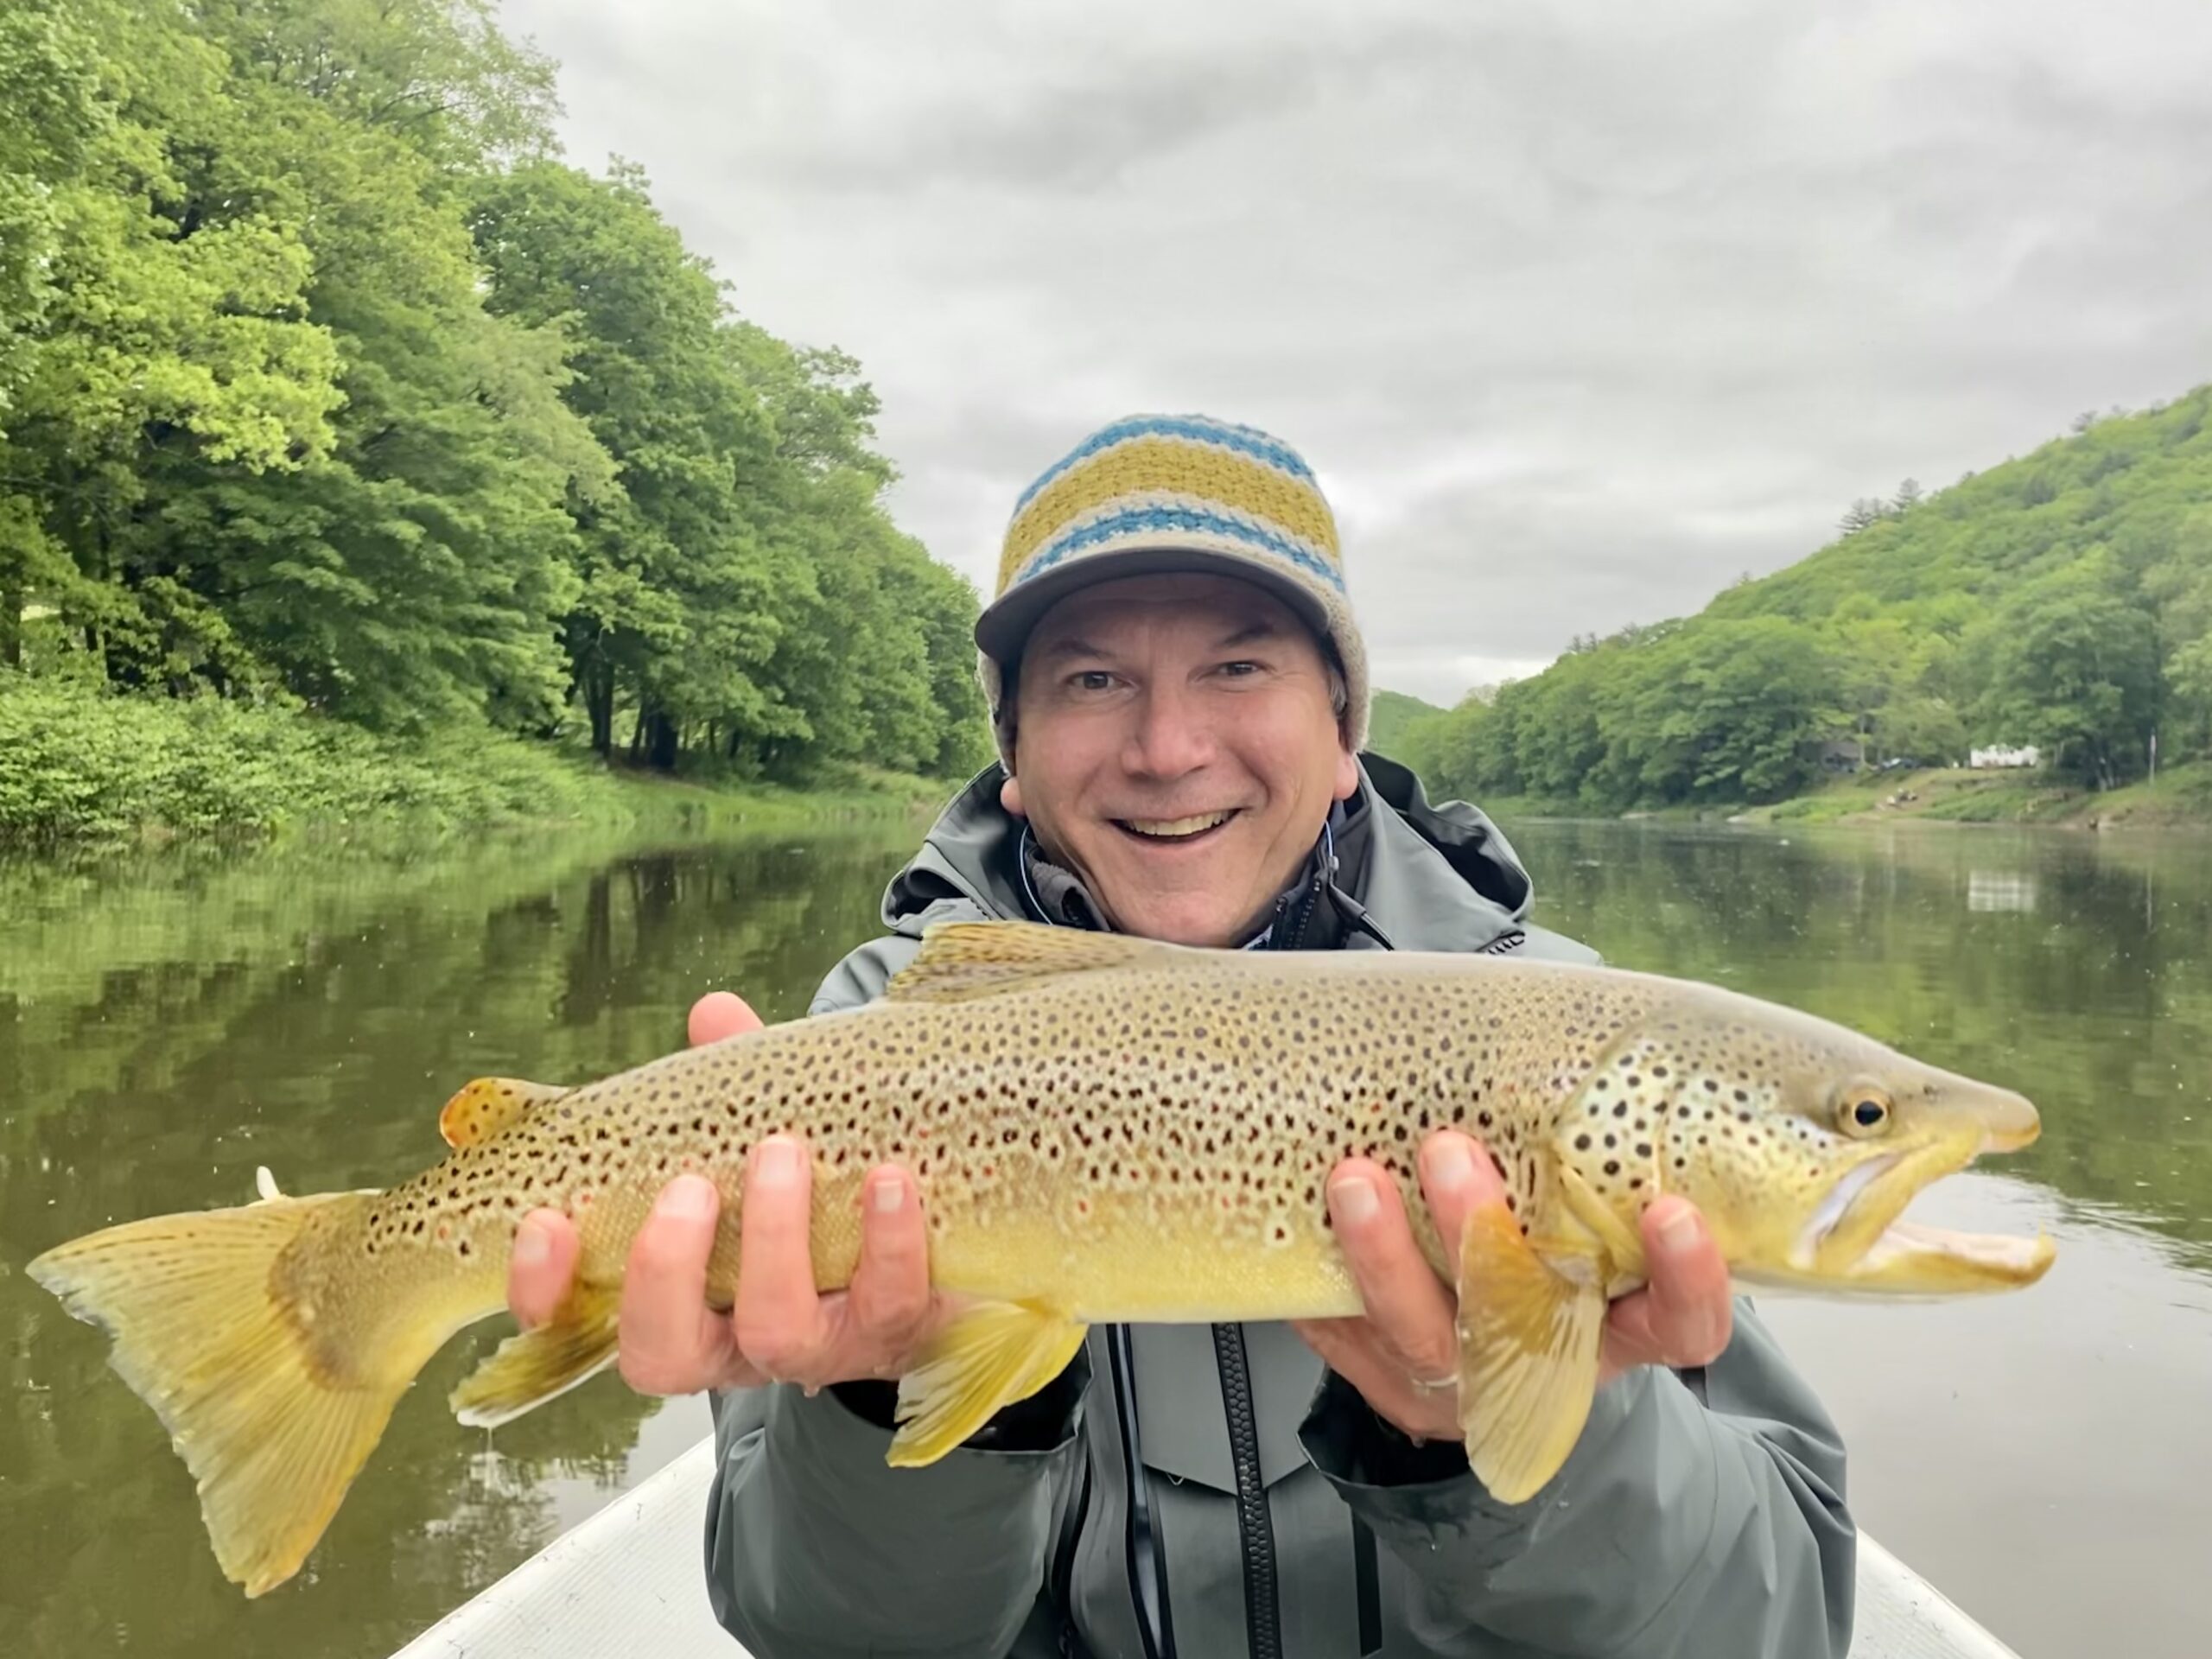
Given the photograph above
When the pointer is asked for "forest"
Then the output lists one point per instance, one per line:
(2061, 601)
(327, 387)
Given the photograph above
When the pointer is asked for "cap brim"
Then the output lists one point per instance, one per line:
(1006, 623)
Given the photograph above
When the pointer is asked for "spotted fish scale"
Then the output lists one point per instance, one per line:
(1102, 1129)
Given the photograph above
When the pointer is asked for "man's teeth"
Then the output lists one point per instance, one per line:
(1169, 828)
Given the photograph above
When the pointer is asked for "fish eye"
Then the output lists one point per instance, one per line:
(1864, 1111)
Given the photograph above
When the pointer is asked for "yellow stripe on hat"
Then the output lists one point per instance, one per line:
(1149, 466)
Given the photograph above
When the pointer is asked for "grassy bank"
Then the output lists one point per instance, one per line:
(2182, 796)
(80, 764)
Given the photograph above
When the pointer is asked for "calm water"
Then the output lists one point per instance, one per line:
(170, 1022)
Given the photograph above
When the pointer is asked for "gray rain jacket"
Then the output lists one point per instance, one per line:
(1212, 1493)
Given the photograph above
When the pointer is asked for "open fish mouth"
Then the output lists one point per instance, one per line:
(1856, 1240)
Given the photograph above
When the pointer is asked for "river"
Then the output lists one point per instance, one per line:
(168, 1020)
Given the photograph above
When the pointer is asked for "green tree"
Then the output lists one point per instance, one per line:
(2072, 668)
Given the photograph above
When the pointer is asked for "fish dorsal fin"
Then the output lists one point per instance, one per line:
(962, 960)
(480, 1109)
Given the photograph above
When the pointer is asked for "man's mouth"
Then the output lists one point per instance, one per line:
(1180, 831)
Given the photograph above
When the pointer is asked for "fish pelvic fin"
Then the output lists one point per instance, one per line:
(985, 1360)
(526, 1370)
(210, 1327)
(480, 1109)
(961, 961)
(1529, 1346)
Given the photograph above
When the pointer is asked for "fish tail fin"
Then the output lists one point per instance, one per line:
(212, 1327)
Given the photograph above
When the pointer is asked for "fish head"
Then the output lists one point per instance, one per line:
(1802, 1142)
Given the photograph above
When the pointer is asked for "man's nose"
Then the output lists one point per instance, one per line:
(1169, 736)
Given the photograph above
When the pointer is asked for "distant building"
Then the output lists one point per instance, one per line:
(1837, 756)
(2001, 755)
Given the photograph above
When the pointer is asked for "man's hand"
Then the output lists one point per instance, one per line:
(1407, 1339)
(780, 1330)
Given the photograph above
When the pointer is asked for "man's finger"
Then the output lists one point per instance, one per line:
(1457, 1177)
(719, 1014)
(1690, 1311)
(888, 1302)
(1411, 1312)
(778, 1317)
(541, 1266)
(670, 1341)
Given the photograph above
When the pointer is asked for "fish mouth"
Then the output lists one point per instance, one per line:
(1857, 1240)
(1180, 832)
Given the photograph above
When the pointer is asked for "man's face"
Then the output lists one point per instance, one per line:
(1175, 748)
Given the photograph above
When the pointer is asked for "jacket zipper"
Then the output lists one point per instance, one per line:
(1255, 1528)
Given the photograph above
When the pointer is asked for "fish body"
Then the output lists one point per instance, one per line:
(1103, 1130)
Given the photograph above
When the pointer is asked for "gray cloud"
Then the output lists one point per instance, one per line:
(1579, 314)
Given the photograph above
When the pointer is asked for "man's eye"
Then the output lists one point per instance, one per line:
(1092, 680)
(1238, 669)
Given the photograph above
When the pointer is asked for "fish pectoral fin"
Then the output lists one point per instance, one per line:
(1621, 1242)
(960, 961)
(1528, 1343)
(480, 1109)
(981, 1363)
(528, 1369)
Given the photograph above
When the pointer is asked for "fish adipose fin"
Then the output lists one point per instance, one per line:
(480, 1109)
(1529, 1342)
(984, 1361)
(526, 1370)
(961, 961)
(207, 1331)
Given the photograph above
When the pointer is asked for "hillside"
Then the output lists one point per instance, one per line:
(1389, 715)
(2063, 600)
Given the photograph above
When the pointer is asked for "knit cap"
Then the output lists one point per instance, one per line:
(1172, 492)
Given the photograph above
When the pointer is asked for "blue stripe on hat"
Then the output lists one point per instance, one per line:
(1197, 429)
(1139, 521)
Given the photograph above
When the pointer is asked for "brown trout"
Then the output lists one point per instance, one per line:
(1103, 1130)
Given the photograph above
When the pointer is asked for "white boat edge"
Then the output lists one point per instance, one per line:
(630, 1579)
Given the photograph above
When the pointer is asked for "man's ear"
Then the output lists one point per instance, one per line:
(1347, 776)
(1010, 797)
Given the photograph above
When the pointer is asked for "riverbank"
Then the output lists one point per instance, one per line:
(80, 765)
(2181, 798)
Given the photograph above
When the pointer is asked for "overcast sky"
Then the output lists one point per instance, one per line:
(1578, 310)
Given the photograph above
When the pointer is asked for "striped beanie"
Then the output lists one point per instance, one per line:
(1182, 492)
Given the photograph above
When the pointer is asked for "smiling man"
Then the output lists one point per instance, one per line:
(1179, 695)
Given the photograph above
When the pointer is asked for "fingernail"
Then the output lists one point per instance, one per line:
(1678, 1227)
(1451, 1165)
(1353, 1202)
(688, 1198)
(777, 1162)
(531, 1245)
(890, 1193)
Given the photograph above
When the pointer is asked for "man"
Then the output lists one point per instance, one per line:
(1179, 696)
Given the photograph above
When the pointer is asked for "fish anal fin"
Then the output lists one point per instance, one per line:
(960, 961)
(987, 1358)
(480, 1109)
(534, 1366)
(1529, 1345)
